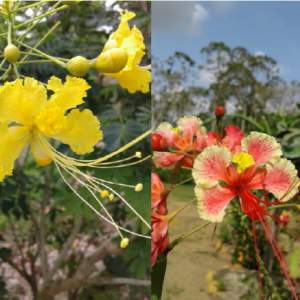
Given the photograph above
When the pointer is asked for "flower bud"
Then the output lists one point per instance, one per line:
(111, 197)
(11, 53)
(70, 3)
(110, 45)
(219, 112)
(158, 142)
(138, 154)
(110, 61)
(78, 66)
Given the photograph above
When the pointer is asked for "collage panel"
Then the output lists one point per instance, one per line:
(225, 150)
(75, 155)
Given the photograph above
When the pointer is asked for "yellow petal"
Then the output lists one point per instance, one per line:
(22, 104)
(39, 154)
(11, 148)
(49, 121)
(82, 131)
(67, 95)
(124, 30)
(136, 79)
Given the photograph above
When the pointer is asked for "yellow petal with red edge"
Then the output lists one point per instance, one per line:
(40, 156)
(22, 103)
(12, 140)
(82, 131)
(67, 95)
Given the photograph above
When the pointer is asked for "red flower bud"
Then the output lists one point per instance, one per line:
(189, 162)
(219, 112)
(158, 142)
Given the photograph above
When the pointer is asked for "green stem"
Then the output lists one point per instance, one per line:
(181, 153)
(180, 239)
(30, 6)
(34, 61)
(171, 216)
(40, 17)
(16, 71)
(158, 275)
(217, 131)
(61, 64)
(9, 33)
(282, 205)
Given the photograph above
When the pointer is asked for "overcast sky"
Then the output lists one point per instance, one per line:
(271, 28)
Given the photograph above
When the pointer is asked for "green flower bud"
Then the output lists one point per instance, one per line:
(78, 66)
(11, 53)
(70, 3)
(110, 61)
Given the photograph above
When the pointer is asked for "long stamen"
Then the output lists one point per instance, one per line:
(278, 256)
(124, 229)
(68, 166)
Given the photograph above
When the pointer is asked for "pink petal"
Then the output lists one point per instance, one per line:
(156, 181)
(166, 160)
(256, 180)
(178, 142)
(212, 138)
(210, 166)
(233, 137)
(165, 130)
(199, 143)
(263, 148)
(189, 125)
(281, 180)
(212, 202)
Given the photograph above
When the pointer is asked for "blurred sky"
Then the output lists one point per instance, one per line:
(271, 28)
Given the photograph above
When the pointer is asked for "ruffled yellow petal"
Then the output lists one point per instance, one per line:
(49, 121)
(40, 156)
(124, 30)
(67, 95)
(22, 104)
(82, 131)
(132, 77)
(12, 140)
(136, 79)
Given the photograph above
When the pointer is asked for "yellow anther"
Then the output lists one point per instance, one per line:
(124, 243)
(74, 245)
(176, 130)
(138, 154)
(104, 194)
(244, 160)
(138, 187)
(111, 197)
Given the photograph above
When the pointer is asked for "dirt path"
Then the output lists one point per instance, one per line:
(192, 259)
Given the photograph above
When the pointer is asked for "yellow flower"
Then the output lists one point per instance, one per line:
(33, 118)
(113, 57)
(27, 117)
